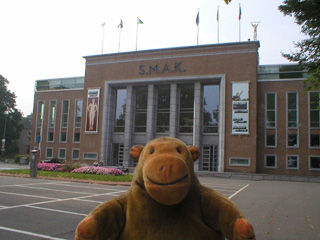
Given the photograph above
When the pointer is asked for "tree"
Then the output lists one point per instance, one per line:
(307, 15)
(10, 117)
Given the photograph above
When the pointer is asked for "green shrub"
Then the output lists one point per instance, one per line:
(17, 157)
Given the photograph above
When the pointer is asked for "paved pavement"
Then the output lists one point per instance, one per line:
(50, 209)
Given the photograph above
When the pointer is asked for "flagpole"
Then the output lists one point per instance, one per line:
(102, 25)
(218, 25)
(239, 22)
(198, 23)
(119, 39)
(137, 35)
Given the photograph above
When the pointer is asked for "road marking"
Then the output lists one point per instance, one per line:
(27, 195)
(59, 200)
(55, 210)
(56, 190)
(238, 191)
(30, 233)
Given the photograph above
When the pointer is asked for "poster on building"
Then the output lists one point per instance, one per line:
(240, 108)
(92, 111)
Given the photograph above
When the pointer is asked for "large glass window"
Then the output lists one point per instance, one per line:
(78, 113)
(141, 109)
(75, 154)
(186, 108)
(270, 140)
(270, 110)
(210, 108)
(62, 153)
(239, 162)
(39, 123)
(315, 140)
(52, 114)
(292, 111)
(120, 110)
(163, 108)
(49, 153)
(65, 113)
(314, 110)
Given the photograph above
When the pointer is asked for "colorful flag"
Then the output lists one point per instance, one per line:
(240, 13)
(198, 19)
(120, 24)
(139, 21)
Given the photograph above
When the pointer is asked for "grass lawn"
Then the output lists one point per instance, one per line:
(86, 176)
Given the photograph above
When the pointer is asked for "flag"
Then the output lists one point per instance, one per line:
(103, 24)
(240, 13)
(218, 14)
(198, 19)
(120, 24)
(139, 21)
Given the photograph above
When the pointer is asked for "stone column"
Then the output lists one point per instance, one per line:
(173, 124)
(151, 112)
(197, 124)
(128, 126)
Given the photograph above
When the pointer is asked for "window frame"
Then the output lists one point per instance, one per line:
(292, 168)
(49, 148)
(309, 163)
(265, 161)
(239, 165)
(75, 149)
(65, 153)
(269, 110)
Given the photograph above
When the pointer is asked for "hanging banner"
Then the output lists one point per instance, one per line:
(92, 110)
(240, 108)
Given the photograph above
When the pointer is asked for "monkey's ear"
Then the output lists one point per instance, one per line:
(194, 152)
(135, 152)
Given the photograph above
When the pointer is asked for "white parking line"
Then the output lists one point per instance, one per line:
(27, 195)
(59, 200)
(56, 190)
(30, 233)
(55, 210)
(238, 191)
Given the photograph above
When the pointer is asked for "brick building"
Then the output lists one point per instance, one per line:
(243, 117)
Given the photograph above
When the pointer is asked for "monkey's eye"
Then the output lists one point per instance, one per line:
(151, 151)
(178, 150)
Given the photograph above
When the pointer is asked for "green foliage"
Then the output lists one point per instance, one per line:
(68, 167)
(10, 117)
(17, 157)
(307, 15)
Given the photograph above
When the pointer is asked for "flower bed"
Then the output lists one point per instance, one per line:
(53, 167)
(99, 171)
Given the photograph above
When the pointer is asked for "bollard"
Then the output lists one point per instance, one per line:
(34, 164)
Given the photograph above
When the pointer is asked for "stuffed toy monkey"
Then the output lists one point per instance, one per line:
(166, 202)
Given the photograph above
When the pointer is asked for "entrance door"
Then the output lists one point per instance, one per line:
(118, 152)
(209, 158)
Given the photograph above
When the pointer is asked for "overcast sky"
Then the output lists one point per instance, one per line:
(42, 39)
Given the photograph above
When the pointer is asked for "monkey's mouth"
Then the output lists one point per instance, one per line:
(167, 184)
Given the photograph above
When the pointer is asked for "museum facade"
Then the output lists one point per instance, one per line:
(244, 117)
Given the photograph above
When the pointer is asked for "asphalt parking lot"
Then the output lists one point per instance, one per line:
(46, 209)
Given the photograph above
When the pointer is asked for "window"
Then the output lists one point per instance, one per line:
(52, 114)
(314, 110)
(314, 163)
(75, 154)
(40, 114)
(76, 137)
(292, 162)
(239, 162)
(270, 110)
(292, 111)
(62, 153)
(65, 114)
(78, 113)
(163, 108)
(49, 153)
(292, 140)
(315, 140)
(270, 161)
(90, 156)
(50, 136)
(120, 110)
(210, 108)
(39, 123)
(271, 140)
(141, 109)
(63, 137)
(186, 108)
